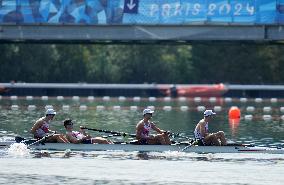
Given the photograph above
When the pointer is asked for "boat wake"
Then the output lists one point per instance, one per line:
(18, 149)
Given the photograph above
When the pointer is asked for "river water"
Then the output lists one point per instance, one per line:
(24, 166)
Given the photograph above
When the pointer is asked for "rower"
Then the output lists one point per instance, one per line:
(203, 137)
(41, 129)
(144, 127)
(81, 136)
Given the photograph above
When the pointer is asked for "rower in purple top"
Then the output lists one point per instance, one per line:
(144, 127)
(203, 137)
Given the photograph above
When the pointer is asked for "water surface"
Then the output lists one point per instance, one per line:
(25, 166)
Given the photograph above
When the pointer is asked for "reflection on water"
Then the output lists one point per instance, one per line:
(115, 167)
(122, 155)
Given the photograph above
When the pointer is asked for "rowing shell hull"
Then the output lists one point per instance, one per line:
(150, 148)
(157, 148)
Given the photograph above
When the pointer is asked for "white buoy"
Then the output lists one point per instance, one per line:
(167, 99)
(273, 100)
(133, 108)
(31, 107)
(136, 99)
(282, 117)
(100, 107)
(217, 108)
(248, 117)
(197, 99)
(106, 98)
(14, 107)
(258, 100)
(121, 98)
(267, 117)
(212, 99)
(282, 109)
(184, 108)
(151, 107)
(250, 109)
(75, 98)
(243, 100)
(48, 107)
(201, 108)
(151, 99)
(91, 98)
(13, 97)
(167, 108)
(116, 107)
(83, 107)
(44, 98)
(267, 109)
(65, 108)
(29, 98)
(60, 98)
(228, 100)
(182, 99)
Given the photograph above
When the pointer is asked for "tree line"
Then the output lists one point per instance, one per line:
(234, 63)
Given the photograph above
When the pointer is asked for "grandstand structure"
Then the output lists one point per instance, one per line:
(141, 21)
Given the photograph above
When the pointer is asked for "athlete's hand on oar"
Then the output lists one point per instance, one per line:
(83, 127)
(166, 132)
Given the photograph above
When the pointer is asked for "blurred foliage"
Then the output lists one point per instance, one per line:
(233, 63)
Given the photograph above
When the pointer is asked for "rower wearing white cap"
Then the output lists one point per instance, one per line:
(203, 137)
(144, 127)
(41, 128)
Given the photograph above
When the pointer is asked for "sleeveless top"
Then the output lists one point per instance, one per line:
(42, 131)
(146, 130)
(197, 134)
(77, 134)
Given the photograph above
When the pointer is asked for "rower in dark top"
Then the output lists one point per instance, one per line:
(144, 127)
(203, 137)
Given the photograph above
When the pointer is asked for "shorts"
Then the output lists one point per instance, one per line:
(87, 141)
(142, 142)
(200, 142)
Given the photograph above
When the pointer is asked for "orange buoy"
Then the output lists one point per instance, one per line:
(234, 113)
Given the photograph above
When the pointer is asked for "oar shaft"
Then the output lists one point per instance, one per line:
(124, 134)
(40, 140)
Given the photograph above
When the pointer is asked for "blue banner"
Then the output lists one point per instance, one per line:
(142, 11)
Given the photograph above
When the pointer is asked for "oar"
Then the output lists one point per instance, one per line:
(124, 134)
(174, 135)
(40, 140)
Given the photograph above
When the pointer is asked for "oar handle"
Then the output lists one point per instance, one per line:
(174, 135)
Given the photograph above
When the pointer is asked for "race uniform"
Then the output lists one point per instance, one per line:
(145, 133)
(79, 135)
(198, 137)
(42, 131)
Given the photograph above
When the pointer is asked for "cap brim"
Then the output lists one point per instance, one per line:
(149, 112)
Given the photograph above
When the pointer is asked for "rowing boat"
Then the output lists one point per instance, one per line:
(150, 148)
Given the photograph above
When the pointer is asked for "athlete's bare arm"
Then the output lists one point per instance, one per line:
(36, 126)
(139, 130)
(157, 129)
(202, 128)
